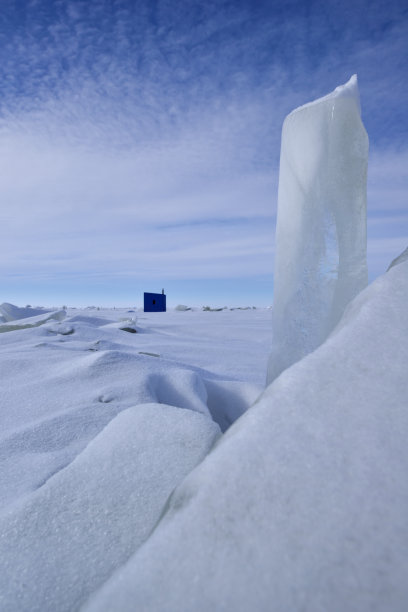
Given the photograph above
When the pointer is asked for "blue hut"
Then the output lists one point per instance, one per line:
(155, 302)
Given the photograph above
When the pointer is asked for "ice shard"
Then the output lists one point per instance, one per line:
(321, 241)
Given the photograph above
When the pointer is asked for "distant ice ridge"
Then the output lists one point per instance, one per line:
(10, 312)
(13, 318)
(320, 262)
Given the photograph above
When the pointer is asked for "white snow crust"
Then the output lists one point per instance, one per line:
(303, 504)
(98, 425)
(62, 542)
(118, 492)
(64, 381)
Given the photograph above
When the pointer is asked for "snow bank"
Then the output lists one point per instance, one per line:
(303, 504)
(320, 262)
(61, 385)
(62, 542)
(228, 400)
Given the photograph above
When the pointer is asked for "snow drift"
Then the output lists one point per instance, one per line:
(303, 503)
(61, 543)
(95, 434)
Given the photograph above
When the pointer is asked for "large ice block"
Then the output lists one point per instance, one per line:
(321, 242)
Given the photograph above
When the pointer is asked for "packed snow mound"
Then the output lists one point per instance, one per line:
(302, 505)
(62, 542)
(42, 432)
(320, 262)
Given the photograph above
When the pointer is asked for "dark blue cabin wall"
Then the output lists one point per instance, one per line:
(154, 302)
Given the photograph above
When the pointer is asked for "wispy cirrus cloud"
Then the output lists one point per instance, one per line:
(141, 139)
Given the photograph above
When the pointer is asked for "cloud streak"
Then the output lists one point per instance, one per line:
(141, 139)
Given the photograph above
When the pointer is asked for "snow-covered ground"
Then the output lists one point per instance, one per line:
(99, 425)
(64, 381)
(119, 491)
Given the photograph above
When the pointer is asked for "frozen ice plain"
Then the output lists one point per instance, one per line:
(119, 492)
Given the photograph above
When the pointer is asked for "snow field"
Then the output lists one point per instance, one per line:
(119, 493)
(303, 504)
(96, 434)
(62, 542)
(64, 382)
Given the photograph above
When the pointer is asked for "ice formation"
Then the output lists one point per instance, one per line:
(320, 262)
(13, 318)
(10, 312)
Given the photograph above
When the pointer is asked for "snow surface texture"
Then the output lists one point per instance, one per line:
(68, 537)
(98, 426)
(63, 382)
(303, 504)
(320, 262)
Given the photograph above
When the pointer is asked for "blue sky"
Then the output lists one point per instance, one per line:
(140, 140)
